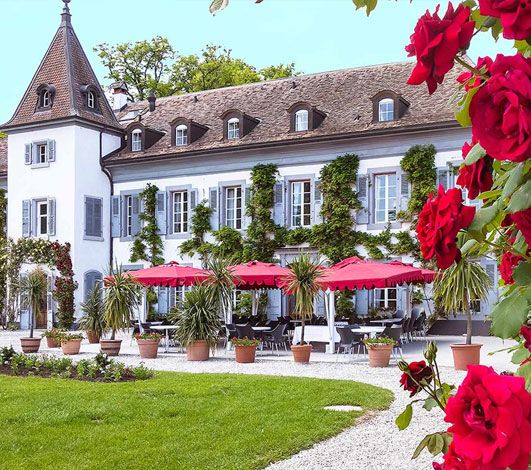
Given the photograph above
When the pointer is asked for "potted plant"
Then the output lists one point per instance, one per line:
(148, 344)
(52, 337)
(33, 288)
(93, 321)
(122, 297)
(245, 349)
(197, 322)
(70, 343)
(454, 290)
(304, 283)
(379, 350)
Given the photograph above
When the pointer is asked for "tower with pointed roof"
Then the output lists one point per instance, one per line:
(60, 131)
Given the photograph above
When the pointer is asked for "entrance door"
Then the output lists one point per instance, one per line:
(41, 321)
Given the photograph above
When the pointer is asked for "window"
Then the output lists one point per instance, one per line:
(385, 298)
(180, 211)
(386, 110)
(93, 217)
(128, 216)
(42, 154)
(181, 135)
(92, 279)
(233, 207)
(45, 99)
(42, 218)
(301, 204)
(136, 140)
(91, 100)
(301, 120)
(233, 128)
(385, 198)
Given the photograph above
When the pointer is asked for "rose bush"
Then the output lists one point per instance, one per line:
(417, 372)
(515, 16)
(435, 43)
(476, 178)
(508, 262)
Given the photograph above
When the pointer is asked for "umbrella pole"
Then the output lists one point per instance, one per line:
(254, 309)
(331, 320)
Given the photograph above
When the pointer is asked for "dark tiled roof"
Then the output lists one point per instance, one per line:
(66, 67)
(3, 156)
(344, 96)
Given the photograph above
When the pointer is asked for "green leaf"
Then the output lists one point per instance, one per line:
(429, 404)
(522, 274)
(509, 315)
(521, 199)
(404, 418)
(520, 355)
(369, 5)
(496, 29)
(515, 179)
(483, 216)
(463, 116)
(523, 47)
(436, 444)
(218, 5)
(422, 445)
(476, 153)
(525, 372)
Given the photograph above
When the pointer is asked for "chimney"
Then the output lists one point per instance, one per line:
(119, 94)
(151, 100)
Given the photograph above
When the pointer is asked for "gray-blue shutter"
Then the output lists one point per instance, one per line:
(28, 154)
(443, 176)
(90, 279)
(194, 196)
(362, 302)
(317, 202)
(51, 150)
(362, 216)
(26, 218)
(214, 205)
(116, 216)
(404, 191)
(278, 208)
(135, 222)
(247, 198)
(162, 302)
(162, 213)
(98, 218)
(51, 217)
(34, 153)
(89, 216)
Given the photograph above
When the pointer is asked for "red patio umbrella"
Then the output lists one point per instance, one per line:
(258, 275)
(355, 273)
(429, 275)
(171, 274)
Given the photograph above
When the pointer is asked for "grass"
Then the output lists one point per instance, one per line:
(180, 421)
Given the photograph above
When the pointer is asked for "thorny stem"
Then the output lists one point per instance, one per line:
(473, 69)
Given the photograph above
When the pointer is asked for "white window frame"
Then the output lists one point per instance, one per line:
(388, 207)
(233, 128)
(382, 298)
(91, 100)
(234, 194)
(45, 99)
(386, 113)
(181, 135)
(40, 217)
(305, 207)
(301, 120)
(136, 140)
(179, 211)
(128, 215)
(42, 154)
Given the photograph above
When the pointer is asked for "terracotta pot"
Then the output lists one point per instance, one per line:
(111, 347)
(71, 346)
(30, 345)
(245, 354)
(198, 351)
(380, 355)
(465, 355)
(301, 353)
(148, 348)
(93, 337)
(52, 342)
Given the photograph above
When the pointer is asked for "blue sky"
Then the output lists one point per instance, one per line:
(317, 35)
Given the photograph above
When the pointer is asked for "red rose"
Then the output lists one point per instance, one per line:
(440, 220)
(418, 371)
(476, 178)
(500, 111)
(522, 220)
(508, 262)
(491, 420)
(435, 42)
(514, 15)
(525, 332)
(466, 77)
(452, 461)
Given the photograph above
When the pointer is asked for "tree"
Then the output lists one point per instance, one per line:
(33, 288)
(154, 65)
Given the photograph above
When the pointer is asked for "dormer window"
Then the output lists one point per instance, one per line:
(233, 128)
(91, 100)
(90, 96)
(181, 135)
(136, 140)
(386, 110)
(46, 95)
(45, 99)
(301, 120)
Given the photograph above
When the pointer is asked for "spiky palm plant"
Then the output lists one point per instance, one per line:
(122, 297)
(456, 288)
(34, 288)
(304, 282)
(93, 318)
(222, 283)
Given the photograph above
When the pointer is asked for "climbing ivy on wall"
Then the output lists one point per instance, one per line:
(3, 248)
(147, 244)
(200, 226)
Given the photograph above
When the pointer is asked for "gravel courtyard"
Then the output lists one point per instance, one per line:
(376, 443)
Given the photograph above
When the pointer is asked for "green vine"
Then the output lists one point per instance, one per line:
(147, 244)
(3, 247)
(200, 226)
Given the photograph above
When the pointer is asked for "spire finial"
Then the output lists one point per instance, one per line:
(66, 13)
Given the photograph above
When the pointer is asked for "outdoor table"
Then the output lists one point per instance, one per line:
(261, 328)
(387, 321)
(320, 333)
(166, 329)
(369, 330)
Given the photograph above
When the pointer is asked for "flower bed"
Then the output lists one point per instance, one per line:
(99, 369)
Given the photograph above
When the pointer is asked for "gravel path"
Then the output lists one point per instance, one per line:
(373, 444)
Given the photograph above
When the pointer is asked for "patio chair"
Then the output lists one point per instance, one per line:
(415, 312)
(276, 338)
(419, 328)
(347, 341)
(230, 332)
(245, 331)
(395, 332)
(405, 327)
(399, 314)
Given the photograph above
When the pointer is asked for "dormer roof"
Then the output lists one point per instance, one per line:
(66, 67)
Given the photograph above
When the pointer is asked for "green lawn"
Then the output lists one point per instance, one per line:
(174, 421)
